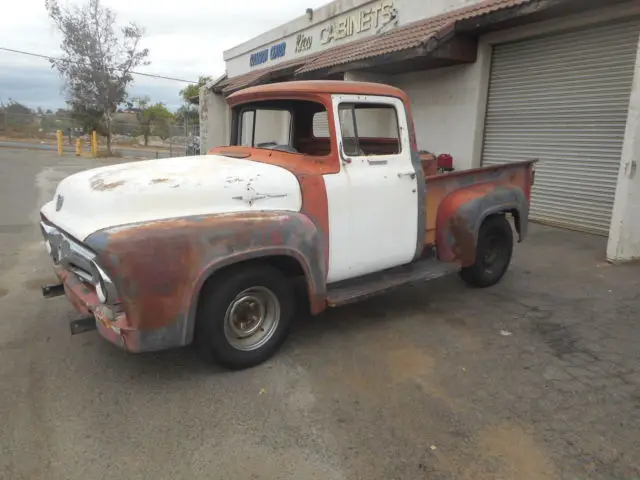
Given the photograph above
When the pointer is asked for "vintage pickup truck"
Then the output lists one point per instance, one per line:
(321, 184)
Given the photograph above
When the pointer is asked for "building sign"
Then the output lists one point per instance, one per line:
(303, 43)
(263, 56)
(348, 26)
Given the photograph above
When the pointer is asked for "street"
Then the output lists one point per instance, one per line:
(130, 152)
(537, 378)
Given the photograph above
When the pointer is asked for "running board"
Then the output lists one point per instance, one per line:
(353, 290)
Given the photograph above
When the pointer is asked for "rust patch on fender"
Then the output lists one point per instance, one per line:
(100, 185)
(159, 267)
(457, 202)
(464, 241)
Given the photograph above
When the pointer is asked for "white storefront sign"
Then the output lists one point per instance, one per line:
(365, 21)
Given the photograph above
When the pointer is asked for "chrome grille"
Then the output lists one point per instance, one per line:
(69, 254)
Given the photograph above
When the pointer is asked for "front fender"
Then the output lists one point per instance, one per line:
(462, 212)
(159, 267)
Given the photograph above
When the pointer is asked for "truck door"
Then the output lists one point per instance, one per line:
(373, 200)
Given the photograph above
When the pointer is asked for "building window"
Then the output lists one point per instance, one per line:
(369, 129)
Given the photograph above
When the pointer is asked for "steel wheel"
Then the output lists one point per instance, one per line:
(252, 318)
(493, 253)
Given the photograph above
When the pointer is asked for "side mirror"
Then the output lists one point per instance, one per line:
(343, 156)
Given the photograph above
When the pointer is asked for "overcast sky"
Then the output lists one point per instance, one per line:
(186, 39)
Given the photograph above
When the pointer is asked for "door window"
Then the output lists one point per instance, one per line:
(369, 129)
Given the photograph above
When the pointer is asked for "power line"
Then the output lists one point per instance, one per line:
(47, 57)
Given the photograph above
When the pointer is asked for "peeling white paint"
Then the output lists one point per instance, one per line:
(170, 188)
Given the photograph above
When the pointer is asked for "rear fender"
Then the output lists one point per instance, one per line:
(462, 212)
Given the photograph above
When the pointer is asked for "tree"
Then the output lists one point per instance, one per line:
(191, 93)
(18, 115)
(190, 113)
(162, 130)
(152, 118)
(90, 118)
(97, 60)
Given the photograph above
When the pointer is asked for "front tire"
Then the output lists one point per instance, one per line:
(244, 316)
(493, 253)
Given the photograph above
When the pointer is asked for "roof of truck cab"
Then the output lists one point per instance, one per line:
(314, 87)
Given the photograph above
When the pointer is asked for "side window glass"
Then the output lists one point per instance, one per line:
(348, 130)
(246, 128)
(321, 125)
(369, 129)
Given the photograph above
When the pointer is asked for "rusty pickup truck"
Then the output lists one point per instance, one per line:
(321, 185)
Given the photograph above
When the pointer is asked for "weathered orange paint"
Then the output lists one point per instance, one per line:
(441, 185)
(307, 168)
(450, 195)
(314, 88)
(159, 286)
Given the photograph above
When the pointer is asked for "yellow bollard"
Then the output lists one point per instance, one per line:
(78, 147)
(94, 143)
(60, 139)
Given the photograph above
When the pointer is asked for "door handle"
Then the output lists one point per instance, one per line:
(376, 162)
(411, 175)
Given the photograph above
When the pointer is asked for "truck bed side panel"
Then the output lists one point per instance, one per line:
(457, 203)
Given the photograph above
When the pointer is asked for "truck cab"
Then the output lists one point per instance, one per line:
(321, 182)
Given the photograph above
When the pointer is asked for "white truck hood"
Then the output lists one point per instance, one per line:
(168, 188)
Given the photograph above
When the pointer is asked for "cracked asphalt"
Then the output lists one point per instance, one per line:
(537, 378)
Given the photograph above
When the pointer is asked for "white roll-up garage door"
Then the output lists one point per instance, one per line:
(563, 99)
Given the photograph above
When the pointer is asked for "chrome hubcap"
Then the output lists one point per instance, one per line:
(252, 318)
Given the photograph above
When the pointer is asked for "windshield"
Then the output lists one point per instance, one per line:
(265, 128)
(293, 126)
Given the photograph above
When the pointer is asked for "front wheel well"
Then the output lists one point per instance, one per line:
(286, 264)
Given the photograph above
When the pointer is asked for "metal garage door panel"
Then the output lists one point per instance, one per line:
(563, 99)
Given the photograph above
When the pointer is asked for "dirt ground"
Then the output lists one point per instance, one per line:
(537, 378)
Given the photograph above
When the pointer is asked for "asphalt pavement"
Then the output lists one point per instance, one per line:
(537, 378)
(127, 152)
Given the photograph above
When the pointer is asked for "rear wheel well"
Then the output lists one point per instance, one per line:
(512, 216)
(515, 214)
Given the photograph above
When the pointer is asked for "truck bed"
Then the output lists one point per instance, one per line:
(470, 183)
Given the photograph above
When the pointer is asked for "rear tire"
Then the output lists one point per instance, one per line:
(244, 316)
(493, 253)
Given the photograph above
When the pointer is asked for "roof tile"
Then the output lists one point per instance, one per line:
(406, 37)
(403, 38)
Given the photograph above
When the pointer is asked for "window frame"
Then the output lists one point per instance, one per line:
(352, 105)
